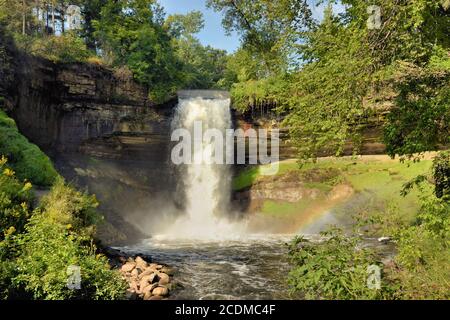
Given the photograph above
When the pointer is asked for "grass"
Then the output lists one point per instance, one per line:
(245, 179)
(282, 209)
(380, 180)
(25, 158)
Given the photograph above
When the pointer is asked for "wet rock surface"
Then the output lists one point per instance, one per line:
(146, 280)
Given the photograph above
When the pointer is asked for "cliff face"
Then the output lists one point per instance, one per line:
(63, 106)
(102, 133)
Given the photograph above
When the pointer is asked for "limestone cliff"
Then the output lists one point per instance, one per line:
(101, 131)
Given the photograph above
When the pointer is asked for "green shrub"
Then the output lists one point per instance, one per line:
(15, 199)
(65, 205)
(423, 271)
(424, 249)
(59, 235)
(26, 159)
(66, 48)
(48, 250)
(333, 269)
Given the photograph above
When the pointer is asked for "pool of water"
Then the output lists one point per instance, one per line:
(254, 267)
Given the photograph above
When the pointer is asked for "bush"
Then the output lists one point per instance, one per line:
(65, 205)
(15, 199)
(26, 159)
(333, 269)
(59, 235)
(66, 48)
(424, 247)
(423, 270)
(48, 250)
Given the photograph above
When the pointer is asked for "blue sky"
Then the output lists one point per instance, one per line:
(214, 34)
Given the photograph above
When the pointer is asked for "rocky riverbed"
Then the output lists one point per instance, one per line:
(146, 280)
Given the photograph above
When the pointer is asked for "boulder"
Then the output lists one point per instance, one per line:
(155, 298)
(153, 266)
(149, 288)
(163, 278)
(146, 272)
(160, 291)
(146, 280)
(135, 273)
(147, 295)
(134, 285)
(128, 267)
(140, 263)
(168, 271)
(131, 294)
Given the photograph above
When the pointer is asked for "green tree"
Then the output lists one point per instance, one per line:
(269, 29)
(202, 66)
(91, 10)
(348, 66)
(131, 33)
(185, 25)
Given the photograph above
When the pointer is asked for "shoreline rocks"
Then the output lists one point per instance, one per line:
(147, 281)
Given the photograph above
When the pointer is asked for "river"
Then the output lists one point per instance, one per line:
(254, 267)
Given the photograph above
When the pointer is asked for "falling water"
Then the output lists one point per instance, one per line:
(205, 184)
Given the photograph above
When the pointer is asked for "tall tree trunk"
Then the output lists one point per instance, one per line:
(43, 16)
(38, 14)
(24, 17)
(46, 28)
(53, 17)
(63, 18)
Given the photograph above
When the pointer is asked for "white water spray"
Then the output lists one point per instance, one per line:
(206, 185)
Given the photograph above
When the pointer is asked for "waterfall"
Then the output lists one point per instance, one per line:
(206, 185)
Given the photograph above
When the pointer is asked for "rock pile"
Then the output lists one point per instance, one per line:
(148, 281)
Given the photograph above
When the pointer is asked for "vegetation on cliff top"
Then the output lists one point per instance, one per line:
(161, 51)
(333, 75)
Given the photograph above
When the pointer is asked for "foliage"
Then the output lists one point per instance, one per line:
(26, 159)
(180, 25)
(91, 11)
(257, 93)
(15, 202)
(421, 264)
(441, 173)
(423, 250)
(65, 205)
(202, 67)
(333, 269)
(15, 199)
(419, 120)
(269, 29)
(131, 33)
(37, 248)
(59, 234)
(340, 72)
(47, 251)
(65, 48)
